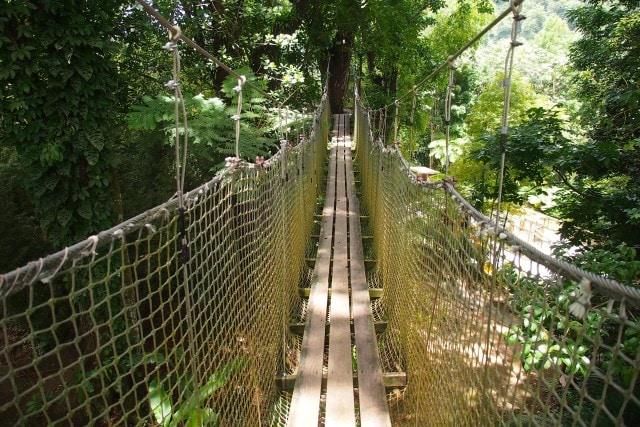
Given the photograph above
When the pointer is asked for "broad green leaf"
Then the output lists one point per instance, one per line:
(85, 210)
(200, 417)
(160, 403)
(63, 216)
(85, 71)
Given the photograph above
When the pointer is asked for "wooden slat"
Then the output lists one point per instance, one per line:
(305, 402)
(340, 215)
(298, 328)
(390, 379)
(312, 262)
(340, 405)
(374, 410)
(373, 292)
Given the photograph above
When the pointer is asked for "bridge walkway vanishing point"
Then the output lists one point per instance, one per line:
(339, 268)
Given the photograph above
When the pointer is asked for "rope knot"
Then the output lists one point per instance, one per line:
(170, 46)
(516, 6)
(175, 33)
(230, 161)
(171, 84)
(118, 235)
(241, 81)
(90, 249)
(582, 304)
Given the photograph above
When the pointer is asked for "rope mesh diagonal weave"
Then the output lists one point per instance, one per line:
(489, 330)
(107, 331)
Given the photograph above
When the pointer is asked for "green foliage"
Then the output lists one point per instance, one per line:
(437, 30)
(540, 351)
(607, 59)
(455, 25)
(21, 239)
(547, 336)
(193, 410)
(533, 150)
(596, 200)
(619, 263)
(486, 112)
(210, 123)
(478, 172)
(555, 36)
(36, 401)
(275, 39)
(384, 27)
(438, 150)
(60, 88)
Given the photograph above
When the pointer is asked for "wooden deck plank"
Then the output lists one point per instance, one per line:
(391, 380)
(373, 292)
(305, 402)
(298, 328)
(374, 410)
(340, 405)
(341, 234)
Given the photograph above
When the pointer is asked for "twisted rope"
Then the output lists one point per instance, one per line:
(447, 114)
(180, 112)
(412, 136)
(508, 70)
(241, 81)
(395, 123)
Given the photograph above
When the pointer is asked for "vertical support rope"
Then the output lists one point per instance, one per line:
(516, 8)
(286, 123)
(412, 136)
(180, 110)
(241, 81)
(395, 123)
(303, 124)
(284, 250)
(498, 241)
(383, 125)
(447, 115)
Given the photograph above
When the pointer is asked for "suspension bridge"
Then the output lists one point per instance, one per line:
(328, 285)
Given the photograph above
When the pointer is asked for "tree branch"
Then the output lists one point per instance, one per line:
(571, 186)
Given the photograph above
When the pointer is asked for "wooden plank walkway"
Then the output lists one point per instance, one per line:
(340, 270)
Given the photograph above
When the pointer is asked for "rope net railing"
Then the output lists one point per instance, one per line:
(490, 330)
(131, 328)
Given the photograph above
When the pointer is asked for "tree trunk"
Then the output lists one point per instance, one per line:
(339, 61)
